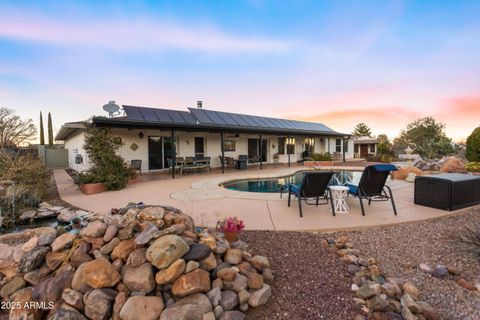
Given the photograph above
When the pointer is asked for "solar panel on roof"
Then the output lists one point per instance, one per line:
(148, 114)
(132, 113)
(215, 117)
(188, 117)
(162, 115)
(268, 122)
(200, 115)
(175, 115)
(227, 119)
(238, 119)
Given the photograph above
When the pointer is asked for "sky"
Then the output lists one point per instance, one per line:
(384, 63)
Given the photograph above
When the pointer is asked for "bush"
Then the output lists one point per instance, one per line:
(386, 158)
(473, 146)
(108, 167)
(473, 166)
(31, 179)
(470, 236)
(322, 157)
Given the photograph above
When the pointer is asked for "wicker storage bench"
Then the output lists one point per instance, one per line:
(447, 191)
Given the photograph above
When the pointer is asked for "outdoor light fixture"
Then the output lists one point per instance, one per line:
(140, 135)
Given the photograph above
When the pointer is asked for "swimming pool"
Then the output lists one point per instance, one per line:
(272, 185)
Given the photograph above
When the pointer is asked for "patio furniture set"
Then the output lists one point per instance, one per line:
(326, 186)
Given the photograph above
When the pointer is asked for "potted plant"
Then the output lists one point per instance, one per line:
(231, 227)
(89, 183)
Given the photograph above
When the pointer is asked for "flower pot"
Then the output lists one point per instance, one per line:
(231, 236)
(92, 188)
(318, 163)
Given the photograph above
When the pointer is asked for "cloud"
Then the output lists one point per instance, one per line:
(133, 34)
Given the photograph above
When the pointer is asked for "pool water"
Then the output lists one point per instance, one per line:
(272, 185)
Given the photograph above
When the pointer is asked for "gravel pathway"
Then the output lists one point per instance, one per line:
(310, 283)
(401, 248)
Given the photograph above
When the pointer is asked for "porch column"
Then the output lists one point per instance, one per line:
(288, 142)
(343, 148)
(223, 152)
(260, 151)
(174, 154)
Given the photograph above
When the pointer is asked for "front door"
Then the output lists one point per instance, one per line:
(364, 150)
(155, 153)
(199, 147)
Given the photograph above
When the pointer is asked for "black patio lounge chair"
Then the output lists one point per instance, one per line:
(314, 186)
(372, 185)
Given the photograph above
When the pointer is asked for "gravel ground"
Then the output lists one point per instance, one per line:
(401, 248)
(309, 282)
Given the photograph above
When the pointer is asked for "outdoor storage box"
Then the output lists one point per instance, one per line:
(447, 191)
(242, 162)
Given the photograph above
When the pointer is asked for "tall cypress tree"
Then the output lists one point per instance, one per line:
(50, 130)
(42, 134)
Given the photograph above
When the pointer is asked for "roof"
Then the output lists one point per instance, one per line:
(365, 141)
(210, 120)
(68, 129)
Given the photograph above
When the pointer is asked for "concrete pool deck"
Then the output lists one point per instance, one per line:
(200, 196)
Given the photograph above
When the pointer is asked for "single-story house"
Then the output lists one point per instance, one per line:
(155, 136)
(364, 146)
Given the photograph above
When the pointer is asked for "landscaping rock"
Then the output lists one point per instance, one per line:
(100, 273)
(409, 288)
(142, 308)
(94, 229)
(227, 274)
(233, 256)
(365, 292)
(408, 302)
(238, 284)
(182, 312)
(255, 280)
(209, 263)
(98, 304)
(170, 274)
(146, 235)
(33, 259)
(232, 315)
(229, 300)
(137, 257)
(215, 296)
(12, 286)
(198, 251)
(198, 299)
(123, 249)
(260, 296)
(108, 248)
(62, 242)
(139, 278)
(440, 271)
(165, 250)
(193, 282)
(55, 259)
(110, 233)
(191, 265)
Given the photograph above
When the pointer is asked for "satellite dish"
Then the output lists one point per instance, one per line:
(112, 108)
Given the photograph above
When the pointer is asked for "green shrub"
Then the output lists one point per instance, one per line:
(31, 180)
(108, 167)
(322, 157)
(473, 146)
(386, 158)
(473, 166)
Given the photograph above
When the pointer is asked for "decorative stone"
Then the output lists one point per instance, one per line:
(365, 292)
(32, 259)
(233, 256)
(170, 274)
(108, 248)
(73, 298)
(100, 273)
(120, 300)
(238, 284)
(229, 300)
(165, 250)
(55, 259)
(12, 286)
(30, 244)
(260, 296)
(408, 302)
(215, 296)
(191, 265)
(63, 241)
(199, 300)
(467, 285)
(227, 274)
(440, 271)
(232, 315)
(208, 316)
(139, 278)
(193, 282)
(137, 257)
(255, 280)
(94, 229)
(46, 239)
(182, 312)
(98, 304)
(123, 249)
(28, 215)
(209, 263)
(110, 233)
(142, 308)
(146, 235)
(268, 275)
(377, 304)
(198, 251)
(409, 288)
(243, 297)
(407, 314)
(217, 311)
(453, 270)
(426, 268)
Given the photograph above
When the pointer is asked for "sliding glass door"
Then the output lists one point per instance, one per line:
(155, 153)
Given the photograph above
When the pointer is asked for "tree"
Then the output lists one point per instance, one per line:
(426, 137)
(362, 130)
(473, 146)
(42, 134)
(384, 145)
(14, 130)
(50, 130)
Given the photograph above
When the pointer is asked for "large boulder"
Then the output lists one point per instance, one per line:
(142, 308)
(165, 250)
(99, 304)
(123, 249)
(94, 229)
(62, 241)
(32, 259)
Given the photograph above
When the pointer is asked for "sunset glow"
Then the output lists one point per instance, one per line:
(384, 63)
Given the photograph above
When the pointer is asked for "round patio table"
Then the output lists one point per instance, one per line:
(339, 194)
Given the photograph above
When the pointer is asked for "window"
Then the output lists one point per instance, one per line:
(338, 145)
(229, 145)
(281, 145)
(355, 148)
(199, 146)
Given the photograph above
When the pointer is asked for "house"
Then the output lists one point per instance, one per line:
(364, 146)
(156, 136)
